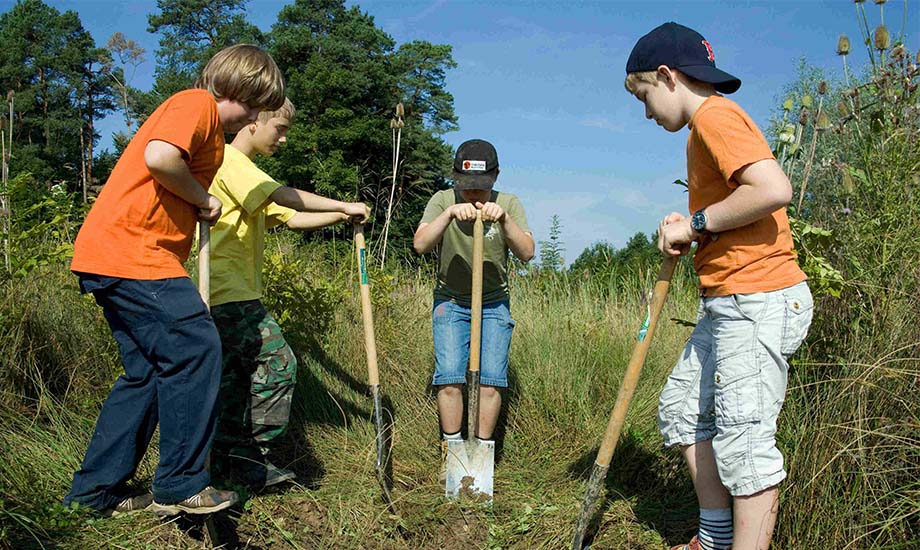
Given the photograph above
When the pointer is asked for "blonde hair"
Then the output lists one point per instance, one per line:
(285, 111)
(632, 79)
(244, 73)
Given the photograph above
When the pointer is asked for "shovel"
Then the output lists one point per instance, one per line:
(618, 416)
(373, 377)
(471, 463)
(204, 288)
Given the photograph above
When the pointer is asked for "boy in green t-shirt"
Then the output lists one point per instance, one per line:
(448, 225)
(259, 368)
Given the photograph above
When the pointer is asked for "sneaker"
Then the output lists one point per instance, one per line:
(129, 505)
(694, 544)
(205, 501)
(260, 475)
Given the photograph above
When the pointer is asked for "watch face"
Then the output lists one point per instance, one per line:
(698, 221)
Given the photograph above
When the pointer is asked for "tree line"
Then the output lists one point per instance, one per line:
(344, 74)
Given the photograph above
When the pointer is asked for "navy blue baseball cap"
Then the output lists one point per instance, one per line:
(681, 48)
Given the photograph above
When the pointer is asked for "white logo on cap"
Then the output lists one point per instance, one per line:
(474, 165)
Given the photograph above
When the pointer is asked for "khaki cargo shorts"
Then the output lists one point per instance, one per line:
(730, 381)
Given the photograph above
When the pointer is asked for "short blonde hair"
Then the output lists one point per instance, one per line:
(632, 79)
(244, 73)
(285, 111)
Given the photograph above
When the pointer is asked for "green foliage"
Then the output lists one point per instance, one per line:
(51, 64)
(812, 244)
(551, 260)
(345, 75)
(191, 31)
(301, 297)
(44, 224)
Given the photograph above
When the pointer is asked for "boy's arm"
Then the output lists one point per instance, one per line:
(429, 235)
(519, 242)
(304, 201)
(306, 221)
(168, 168)
(763, 189)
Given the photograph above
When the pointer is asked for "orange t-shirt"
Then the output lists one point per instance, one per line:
(757, 257)
(137, 229)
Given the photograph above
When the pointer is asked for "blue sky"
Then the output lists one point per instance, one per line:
(543, 81)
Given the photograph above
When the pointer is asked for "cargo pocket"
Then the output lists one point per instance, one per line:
(738, 396)
(799, 309)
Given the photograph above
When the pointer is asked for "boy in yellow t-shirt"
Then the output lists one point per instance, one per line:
(259, 368)
(722, 400)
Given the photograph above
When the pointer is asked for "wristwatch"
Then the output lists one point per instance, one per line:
(698, 220)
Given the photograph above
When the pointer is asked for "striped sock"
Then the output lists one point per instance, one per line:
(715, 528)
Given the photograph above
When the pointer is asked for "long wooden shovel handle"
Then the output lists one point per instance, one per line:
(370, 344)
(204, 261)
(636, 361)
(476, 301)
(618, 415)
(204, 288)
(472, 418)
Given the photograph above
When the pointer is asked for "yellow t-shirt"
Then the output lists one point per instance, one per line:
(757, 257)
(237, 240)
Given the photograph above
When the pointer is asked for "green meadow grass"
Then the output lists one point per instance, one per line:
(849, 431)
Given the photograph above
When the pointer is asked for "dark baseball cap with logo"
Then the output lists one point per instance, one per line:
(475, 165)
(681, 48)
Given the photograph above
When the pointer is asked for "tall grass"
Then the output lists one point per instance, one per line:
(849, 430)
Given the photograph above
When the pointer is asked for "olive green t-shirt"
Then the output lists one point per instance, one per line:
(456, 250)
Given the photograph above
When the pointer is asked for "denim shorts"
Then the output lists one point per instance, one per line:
(730, 382)
(451, 331)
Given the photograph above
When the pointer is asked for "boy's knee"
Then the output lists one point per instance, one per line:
(488, 392)
(451, 390)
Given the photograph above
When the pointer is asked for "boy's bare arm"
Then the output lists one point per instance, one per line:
(520, 243)
(429, 235)
(763, 189)
(306, 221)
(304, 201)
(168, 168)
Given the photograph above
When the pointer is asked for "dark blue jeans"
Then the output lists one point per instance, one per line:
(170, 351)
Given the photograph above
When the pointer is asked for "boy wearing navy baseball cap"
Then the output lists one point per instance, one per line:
(447, 225)
(721, 401)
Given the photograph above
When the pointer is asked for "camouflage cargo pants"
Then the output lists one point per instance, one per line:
(257, 382)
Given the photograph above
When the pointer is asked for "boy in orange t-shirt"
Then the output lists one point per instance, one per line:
(721, 401)
(129, 254)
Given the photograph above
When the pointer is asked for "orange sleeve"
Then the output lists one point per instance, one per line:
(732, 140)
(187, 123)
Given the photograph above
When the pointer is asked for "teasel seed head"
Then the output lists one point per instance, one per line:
(400, 110)
(822, 87)
(400, 123)
(843, 108)
(803, 117)
(787, 105)
(392, 124)
(843, 45)
(882, 38)
(846, 181)
(880, 1)
(899, 52)
(823, 122)
(806, 101)
(858, 1)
